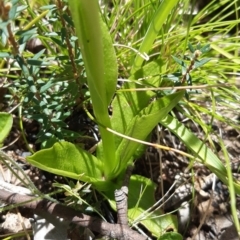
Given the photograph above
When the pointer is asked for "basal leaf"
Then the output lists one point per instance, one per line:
(141, 125)
(6, 122)
(110, 63)
(127, 105)
(101, 68)
(69, 160)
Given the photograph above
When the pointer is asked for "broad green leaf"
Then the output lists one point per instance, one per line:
(150, 74)
(6, 122)
(141, 198)
(202, 152)
(110, 64)
(127, 105)
(154, 28)
(97, 48)
(141, 125)
(69, 160)
(101, 68)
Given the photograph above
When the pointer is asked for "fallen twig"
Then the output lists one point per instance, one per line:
(68, 214)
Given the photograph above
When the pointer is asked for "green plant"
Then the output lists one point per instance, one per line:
(134, 114)
(138, 106)
(134, 117)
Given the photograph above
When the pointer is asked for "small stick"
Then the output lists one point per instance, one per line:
(121, 197)
(72, 215)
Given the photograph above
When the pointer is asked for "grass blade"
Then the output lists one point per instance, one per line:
(203, 153)
(153, 30)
